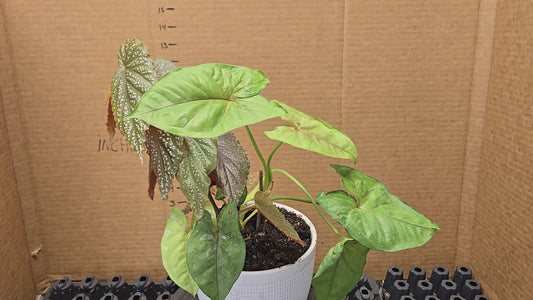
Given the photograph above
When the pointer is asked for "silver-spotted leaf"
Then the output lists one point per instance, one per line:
(271, 212)
(206, 101)
(174, 251)
(199, 159)
(162, 67)
(309, 133)
(233, 167)
(165, 151)
(377, 219)
(340, 270)
(135, 76)
(215, 255)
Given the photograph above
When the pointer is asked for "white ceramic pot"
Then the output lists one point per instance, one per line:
(289, 282)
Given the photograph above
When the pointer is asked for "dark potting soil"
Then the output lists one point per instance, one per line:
(268, 248)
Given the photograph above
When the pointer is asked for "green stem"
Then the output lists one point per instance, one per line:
(268, 172)
(268, 175)
(291, 198)
(313, 201)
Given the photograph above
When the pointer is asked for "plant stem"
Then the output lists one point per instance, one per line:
(291, 198)
(268, 174)
(313, 201)
(252, 139)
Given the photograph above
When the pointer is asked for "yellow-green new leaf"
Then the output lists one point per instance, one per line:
(309, 133)
(173, 251)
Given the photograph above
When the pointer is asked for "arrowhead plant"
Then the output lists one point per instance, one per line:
(183, 118)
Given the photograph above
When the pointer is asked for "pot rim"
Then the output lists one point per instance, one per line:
(307, 253)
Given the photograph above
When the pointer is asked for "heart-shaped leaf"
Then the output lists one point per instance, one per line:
(135, 76)
(215, 256)
(206, 101)
(377, 219)
(199, 159)
(340, 270)
(313, 134)
(165, 151)
(233, 167)
(174, 251)
(271, 212)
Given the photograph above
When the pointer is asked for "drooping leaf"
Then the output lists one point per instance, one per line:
(135, 76)
(233, 167)
(162, 67)
(206, 101)
(165, 151)
(174, 249)
(199, 159)
(313, 134)
(215, 256)
(377, 219)
(340, 270)
(271, 212)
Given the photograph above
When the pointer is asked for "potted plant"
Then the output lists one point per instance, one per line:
(184, 118)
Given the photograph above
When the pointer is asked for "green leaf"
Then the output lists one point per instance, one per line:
(270, 211)
(199, 159)
(233, 167)
(313, 134)
(340, 270)
(215, 256)
(173, 251)
(206, 101)
(165, 151)
(135, 76)
(377, 219)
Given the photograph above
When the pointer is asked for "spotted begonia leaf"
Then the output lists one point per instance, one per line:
(162, 67)
(199, 159)
(135, 76)
(233, 167)
(165, 154)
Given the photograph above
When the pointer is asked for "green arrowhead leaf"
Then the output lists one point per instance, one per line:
(340, 270)
(270, 211)
(173, 251)
(313, 134)
(233, 167)
(377, 219)
(135, 76)
(215, 256)
(206, 101)
(165, 154)
(199, 159)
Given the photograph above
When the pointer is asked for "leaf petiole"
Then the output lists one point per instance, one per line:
(311, 199)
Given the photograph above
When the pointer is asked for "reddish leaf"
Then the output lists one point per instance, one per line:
(111, 123)
(233, 167)
(151, 184)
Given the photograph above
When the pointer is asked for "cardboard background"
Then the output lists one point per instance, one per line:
(409, 81)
